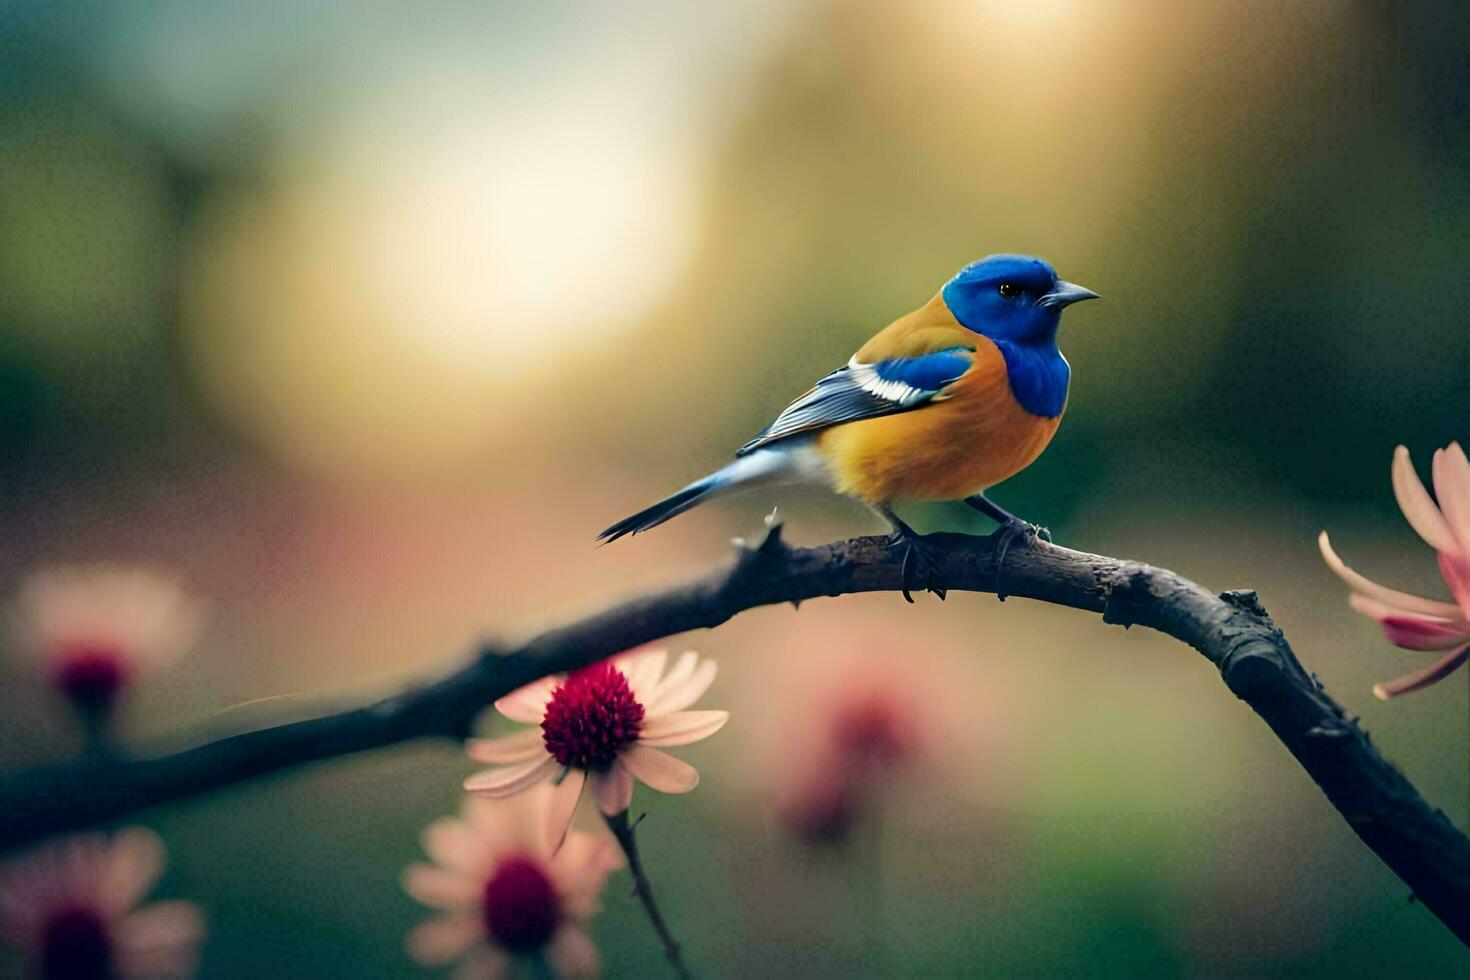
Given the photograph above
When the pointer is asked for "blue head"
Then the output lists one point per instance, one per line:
(1012, 297)
(1017, 302)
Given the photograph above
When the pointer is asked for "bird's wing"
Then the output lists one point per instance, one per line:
(863, 391)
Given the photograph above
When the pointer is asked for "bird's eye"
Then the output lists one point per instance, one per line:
(1009, 290)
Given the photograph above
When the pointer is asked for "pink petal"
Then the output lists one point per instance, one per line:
(1437, 671)
(563, 805)
(1456, 572)
(643, 669)
(1393, 597)
(572, 953)
(444, 938)
(658, 769)
(1421, 512)
(681, 697)
(1381, 611)
(1452, 484)
(597, 853)
(682, 727)
(162, 926)
(507, 780)
(453, 844)
(528, 704)
(132, 868)
(613, 790)
(513, 823)
(159, 940)
(580, 870)
(682, 670)
(440, 889)
(1423, 634)
(485, 963)
(516, 747)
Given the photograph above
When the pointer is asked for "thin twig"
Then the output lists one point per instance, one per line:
(625, 832)
(1231, 630)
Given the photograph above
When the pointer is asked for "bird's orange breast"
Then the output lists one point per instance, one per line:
(947, 449)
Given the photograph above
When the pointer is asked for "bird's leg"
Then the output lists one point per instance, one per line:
(916, 559)
(1000, 515)
(1011, 528)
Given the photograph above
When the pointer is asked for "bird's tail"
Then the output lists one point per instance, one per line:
(762, 468)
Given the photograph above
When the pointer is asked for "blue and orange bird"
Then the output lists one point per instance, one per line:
(942, 404)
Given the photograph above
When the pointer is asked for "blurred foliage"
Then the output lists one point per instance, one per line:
(229, 331)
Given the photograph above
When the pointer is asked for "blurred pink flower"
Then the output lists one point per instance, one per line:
(91, 629)
(875, 725)
(1410, 621)
(607, 722)
(71, 907)
(867, 735)
(821, 806)
(505, 892)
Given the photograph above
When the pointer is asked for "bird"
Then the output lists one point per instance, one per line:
(942, 404)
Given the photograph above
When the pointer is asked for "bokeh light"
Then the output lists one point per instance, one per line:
(417, 276)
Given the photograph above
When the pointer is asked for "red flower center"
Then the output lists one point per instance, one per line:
(590, 717)
(521, 907)
(75, 945)
(873, 730)
(90, 674)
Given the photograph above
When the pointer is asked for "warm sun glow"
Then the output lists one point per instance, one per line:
(417, 263)
(490, 237)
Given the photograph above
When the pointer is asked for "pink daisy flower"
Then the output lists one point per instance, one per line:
(1410, 621)
(505, 893)
(606, 724)
(92, 629)
(71, 907)
(867, 735)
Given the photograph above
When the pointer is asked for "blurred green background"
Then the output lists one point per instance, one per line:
(367, 316)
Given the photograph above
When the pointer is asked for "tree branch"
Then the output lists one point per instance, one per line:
(1231, 630)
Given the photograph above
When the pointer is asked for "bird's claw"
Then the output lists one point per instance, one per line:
(920, 569)
(1007, 535)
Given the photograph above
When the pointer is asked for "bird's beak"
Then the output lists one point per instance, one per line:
(1066, 294)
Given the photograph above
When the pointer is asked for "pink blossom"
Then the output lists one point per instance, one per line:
(605, 724)
(1410, 621)
(504, 892)
(92, 629)
(72, 907)
(858, 742)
